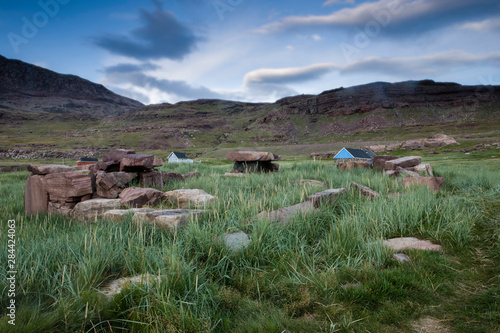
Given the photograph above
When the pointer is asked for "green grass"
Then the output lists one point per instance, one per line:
(290, 278)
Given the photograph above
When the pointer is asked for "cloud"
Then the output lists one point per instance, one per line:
(334, 2)
(161, 36)
(287, 75)
(398, 16)
(483, 26)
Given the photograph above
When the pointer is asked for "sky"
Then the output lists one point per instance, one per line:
(254, 50)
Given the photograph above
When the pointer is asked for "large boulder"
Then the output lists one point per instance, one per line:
(152, 178)
(136, 163)
(139, 197)
(413, 144)
(403, 162)
(115, 156)
(433, 183)
(255, 166)
(157, 162)
(167, 219)
(423, 168)
(406, 172)
(49, 169)
(74, 184)
(171, 176)
(346, 166)
(440, 140)
(110, 185)
(36, 198)
(251, 156)
(364, 190)
(190, 197)
(379, 161)
(321, 198)
(91, 209)
(286, 214)
(111, 166)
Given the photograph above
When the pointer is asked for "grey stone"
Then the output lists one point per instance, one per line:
(330, 195)
(401, 257)
(236, 242)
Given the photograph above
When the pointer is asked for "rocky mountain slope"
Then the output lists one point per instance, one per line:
(26, 87)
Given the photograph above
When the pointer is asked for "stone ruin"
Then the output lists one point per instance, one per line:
(252, 161)
(59, 188)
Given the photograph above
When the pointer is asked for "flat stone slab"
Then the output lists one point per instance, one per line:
(115, 287)
(285, 215)
(236, 241)
(433, 183)
(48, 169)
(167, 219)
(403, 162)
(138, 197)
(190, 197)
(36, 198)
(407, 172)
(136, 162)
(330, 195)
(308, 182)
(92, 209)
(119, 214)
(407, 243)
(365, 190)
(251, 156)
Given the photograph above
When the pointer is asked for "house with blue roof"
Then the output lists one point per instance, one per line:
(176, 157)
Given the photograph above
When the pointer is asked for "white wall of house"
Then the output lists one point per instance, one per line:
(173, 159)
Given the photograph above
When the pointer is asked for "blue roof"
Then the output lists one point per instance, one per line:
(180, 155)
(347, 153)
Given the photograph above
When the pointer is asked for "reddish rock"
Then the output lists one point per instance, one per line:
(379, 161)
(285, 215)
(392, 173)
(346, 166)
(61, 207)
(330, 195)
(105, 166)
(36, 198)
(169, 176)
(157, 162)
(403, 162)
(136, 163)
(49, 169)
(407, 172)
(251, 156)
(256, 166)
(191, 174)
(116, 155)
(66, 185)
(433, 183)
(110, 185)
(138, 197)
(365, 190)
(152, 178)
(413, 144)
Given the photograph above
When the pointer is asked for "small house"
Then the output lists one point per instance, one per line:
(87, 161)
(354, 154)
(176, 157)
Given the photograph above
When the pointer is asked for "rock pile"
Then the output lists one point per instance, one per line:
(252, 161)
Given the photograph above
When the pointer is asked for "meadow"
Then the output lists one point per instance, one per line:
(326, 271)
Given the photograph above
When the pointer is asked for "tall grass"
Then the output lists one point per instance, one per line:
(289, 278)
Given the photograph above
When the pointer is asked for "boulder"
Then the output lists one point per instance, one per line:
(116, 155)
(92, 209)
(401, 257)
(191, 174)
(255, 166)
(364, 190)
(119, 214)
(403, 162)
(251, 156)
(74, 184)
(407, 172)
(105, 166)
(346, 166)
(377, 148)
(36, 198)
(440, 140)
(433, 183)
(424, 168)
(286, 214)
(138, 197)
(61, 207)
(136, 163)
(379, 161)
(167, 219)
(49, 169)
(110, 185)
(157, 162)
(308, 182)
(392, 173)
(171, 176)
(407, 243)
(115, 287)
(152, 178)
(413, 144)
(321, 198)
(236, 242)
(189, 197)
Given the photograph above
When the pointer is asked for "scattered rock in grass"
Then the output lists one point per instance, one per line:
(330, 195)
(401, 257)
(234, 174)
(236, 241)
(365, 190)
(36, 198)
(251, 156)
(346, 166)
(433, 183)
(403, 162)
(429, 325)
(190, 197)
(119, 214)
(424, 168)
(49, 169)
(191, 174)
(138, 197)
(349, 285)
(115, 287)
(110, 184)
(167, 219)
(91, 209)
(286, 214)
(407, 243)
(308, 182)
(392, 173)
(171, 176)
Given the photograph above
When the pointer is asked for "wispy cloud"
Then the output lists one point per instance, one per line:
(161, 36)
(403, 15)
(335, 2)
(483, 26)
(287, 75)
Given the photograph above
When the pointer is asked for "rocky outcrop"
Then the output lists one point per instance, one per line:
(435, 141)
(136, 163)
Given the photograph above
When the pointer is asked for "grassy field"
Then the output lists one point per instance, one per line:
(324, 272)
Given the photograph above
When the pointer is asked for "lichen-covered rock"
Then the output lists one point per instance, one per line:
(190, 197)
(91, 209)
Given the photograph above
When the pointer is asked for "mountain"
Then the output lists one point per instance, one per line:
(26, 87)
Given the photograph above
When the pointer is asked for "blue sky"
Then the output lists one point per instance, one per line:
(254, 50)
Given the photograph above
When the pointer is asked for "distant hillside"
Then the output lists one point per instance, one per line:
(26, 87)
